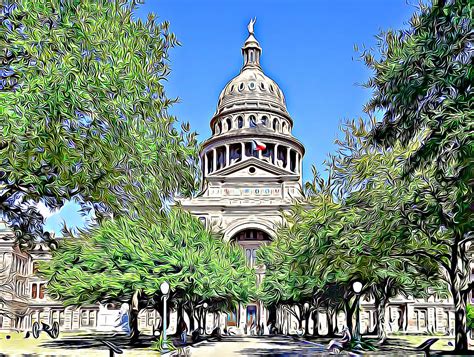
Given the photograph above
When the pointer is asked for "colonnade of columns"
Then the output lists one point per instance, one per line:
(279, 155)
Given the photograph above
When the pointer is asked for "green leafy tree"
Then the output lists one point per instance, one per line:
(83, 111)
(126, 261)
(378, 234)
(422, 85)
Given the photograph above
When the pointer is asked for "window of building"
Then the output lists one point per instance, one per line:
(85, 318)
(34, 291)
(264, 121)
(41, 291)
(240, 122)
(229, 123)
(251, 256)
(252, 122)
(35, 267)
(203, 220)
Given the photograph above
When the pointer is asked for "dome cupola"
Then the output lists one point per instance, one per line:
(251, 86)
(251, 124)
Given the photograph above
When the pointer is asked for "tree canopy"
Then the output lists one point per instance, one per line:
(124, 257)
(84, 112)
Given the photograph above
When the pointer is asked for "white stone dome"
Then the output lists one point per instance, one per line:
(251, 88)
(251, 84)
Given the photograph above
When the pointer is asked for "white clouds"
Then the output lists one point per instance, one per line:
(45, 211)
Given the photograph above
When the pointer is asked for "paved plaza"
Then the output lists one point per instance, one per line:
(282, 346)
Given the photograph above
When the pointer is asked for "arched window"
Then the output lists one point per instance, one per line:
(264, 120)
(240, 122)
(219, 128)
(251, 56)
(41, 291)
(252, 121)
(283, 127)
(34, 291)
(275, 124)
(229, 123)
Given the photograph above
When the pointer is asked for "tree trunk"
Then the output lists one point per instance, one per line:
(134, 309)
(380, 305)
(306, 323)
(349, 312)
(315, 323)
(133, 324)
(300, 316)
(460, 326)
(459, 265)
(190, 313)
(179, 317)
(330, 318)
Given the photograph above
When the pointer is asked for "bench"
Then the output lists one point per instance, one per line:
(113, 348)
(425, 346)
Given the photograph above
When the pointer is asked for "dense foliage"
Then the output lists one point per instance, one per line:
(351, 227)
(124, 258)
(396, 211)
(83, 111)
(423, 85)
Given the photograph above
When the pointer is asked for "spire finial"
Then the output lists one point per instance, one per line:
(250, 25)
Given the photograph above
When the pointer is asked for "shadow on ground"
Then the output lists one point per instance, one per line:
(93, 341)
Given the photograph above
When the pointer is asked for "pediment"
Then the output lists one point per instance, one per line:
(241, 169)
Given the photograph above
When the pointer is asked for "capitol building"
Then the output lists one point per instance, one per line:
(251, 173)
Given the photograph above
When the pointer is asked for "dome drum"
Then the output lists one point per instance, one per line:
(251, 121)
(279, 154)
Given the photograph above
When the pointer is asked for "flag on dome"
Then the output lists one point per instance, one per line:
(258, 145)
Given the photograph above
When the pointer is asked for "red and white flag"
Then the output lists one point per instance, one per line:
(258, 145)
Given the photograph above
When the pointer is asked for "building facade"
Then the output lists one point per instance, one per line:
(252, 172)
(24, 299)
(251, 166)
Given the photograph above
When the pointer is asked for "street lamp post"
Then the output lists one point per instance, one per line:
(205, 313)
(165, 289)
(357, 287)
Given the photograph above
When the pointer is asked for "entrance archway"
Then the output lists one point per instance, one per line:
(250, 240)
(254, 314)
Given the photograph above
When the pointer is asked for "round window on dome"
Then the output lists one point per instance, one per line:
(271, 88)
(232, 89)
(262, 86)
(241, 87)
(252, 85)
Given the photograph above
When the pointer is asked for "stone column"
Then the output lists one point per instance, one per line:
(214, 160)
(243, 151)
(206, 164)
(297, 163)
(300, 169)
(275, 155)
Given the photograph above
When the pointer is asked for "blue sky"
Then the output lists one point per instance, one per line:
(308, 49)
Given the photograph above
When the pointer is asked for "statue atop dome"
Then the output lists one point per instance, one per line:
(250, 25)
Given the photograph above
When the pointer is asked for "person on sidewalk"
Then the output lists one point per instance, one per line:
(183, 331)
